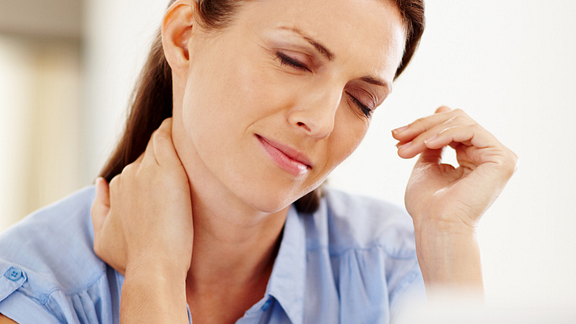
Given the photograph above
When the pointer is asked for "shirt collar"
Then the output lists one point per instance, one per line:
(288, 279)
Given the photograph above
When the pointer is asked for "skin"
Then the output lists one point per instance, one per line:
(308, 111)
(214, 135)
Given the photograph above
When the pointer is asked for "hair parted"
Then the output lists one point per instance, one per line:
(152, 96)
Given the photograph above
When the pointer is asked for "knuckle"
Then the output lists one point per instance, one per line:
(458, 111)
(509, 164)
(166, 123)
(462, 118)
(465, 120)
(443, 109)
(160, 135)
(115, 182)
(515, 162)
(454, 121)
(126, 170)
(98, 247)
(159, 141)
(418, 122)
(475, 126)
(130, 169)
(451, 120)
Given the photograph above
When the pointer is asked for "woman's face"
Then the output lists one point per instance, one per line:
(275, 101)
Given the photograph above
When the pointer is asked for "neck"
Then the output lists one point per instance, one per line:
(235, 244)
(233, 254)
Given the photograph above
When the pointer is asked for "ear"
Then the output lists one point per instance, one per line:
(176, 32)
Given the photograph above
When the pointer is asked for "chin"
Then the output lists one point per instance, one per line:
(271, 200)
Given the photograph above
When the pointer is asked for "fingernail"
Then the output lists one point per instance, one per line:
(399, 130)
(404, 146)
(431, 138)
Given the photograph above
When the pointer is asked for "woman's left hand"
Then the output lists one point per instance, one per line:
(446, 202)
(441, 193)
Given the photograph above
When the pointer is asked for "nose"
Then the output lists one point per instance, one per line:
(315, 114)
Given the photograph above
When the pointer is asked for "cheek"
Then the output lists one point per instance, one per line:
(236, 93)
(350, 128)
(349, 131)
(206, 111)
(263, 90)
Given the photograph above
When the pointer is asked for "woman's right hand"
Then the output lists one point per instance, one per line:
(143, 220)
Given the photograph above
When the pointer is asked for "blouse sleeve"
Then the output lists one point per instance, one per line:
(18, 306)
(49, 272)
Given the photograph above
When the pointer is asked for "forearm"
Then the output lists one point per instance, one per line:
(449, 258)
(153, 296)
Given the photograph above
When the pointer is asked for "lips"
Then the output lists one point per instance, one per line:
(287, 158)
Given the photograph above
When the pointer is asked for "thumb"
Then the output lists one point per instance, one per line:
(430, 156)
(101, 205)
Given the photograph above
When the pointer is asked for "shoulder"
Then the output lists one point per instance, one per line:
(359, 222)
(56, 240)
(49, 254)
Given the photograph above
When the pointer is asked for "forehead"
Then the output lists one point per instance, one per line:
(365, 35)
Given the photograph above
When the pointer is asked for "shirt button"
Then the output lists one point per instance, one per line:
(266, 305)
(13, 274)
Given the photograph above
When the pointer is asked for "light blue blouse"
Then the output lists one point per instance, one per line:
(353, 261)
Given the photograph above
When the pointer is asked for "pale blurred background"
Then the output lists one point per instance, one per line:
(67, 68)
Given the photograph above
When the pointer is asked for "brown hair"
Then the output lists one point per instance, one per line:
(152, 96)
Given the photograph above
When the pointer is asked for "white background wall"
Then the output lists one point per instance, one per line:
(511, 65)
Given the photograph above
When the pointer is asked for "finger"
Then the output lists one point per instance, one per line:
(149, 156)
(114, 188)
(408, 133)
(480, 145)
(442, 109)
(431, 156)
(419, 143)
(164, 150)
(469, 135)
(101, 205)
(160, 149)
(136, 164)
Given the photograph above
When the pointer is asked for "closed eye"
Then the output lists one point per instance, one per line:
(287, 60)
(365, 110)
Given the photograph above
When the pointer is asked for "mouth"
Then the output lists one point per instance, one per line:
(285, 157)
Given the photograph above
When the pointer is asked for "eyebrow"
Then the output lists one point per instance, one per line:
(330, 57)
(319, 47)
(378, 82)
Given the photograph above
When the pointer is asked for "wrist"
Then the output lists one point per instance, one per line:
(156, 268)
(153, 295)
(449, 256)
(444, 228)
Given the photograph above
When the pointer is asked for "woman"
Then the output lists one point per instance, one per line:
(266, 98)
